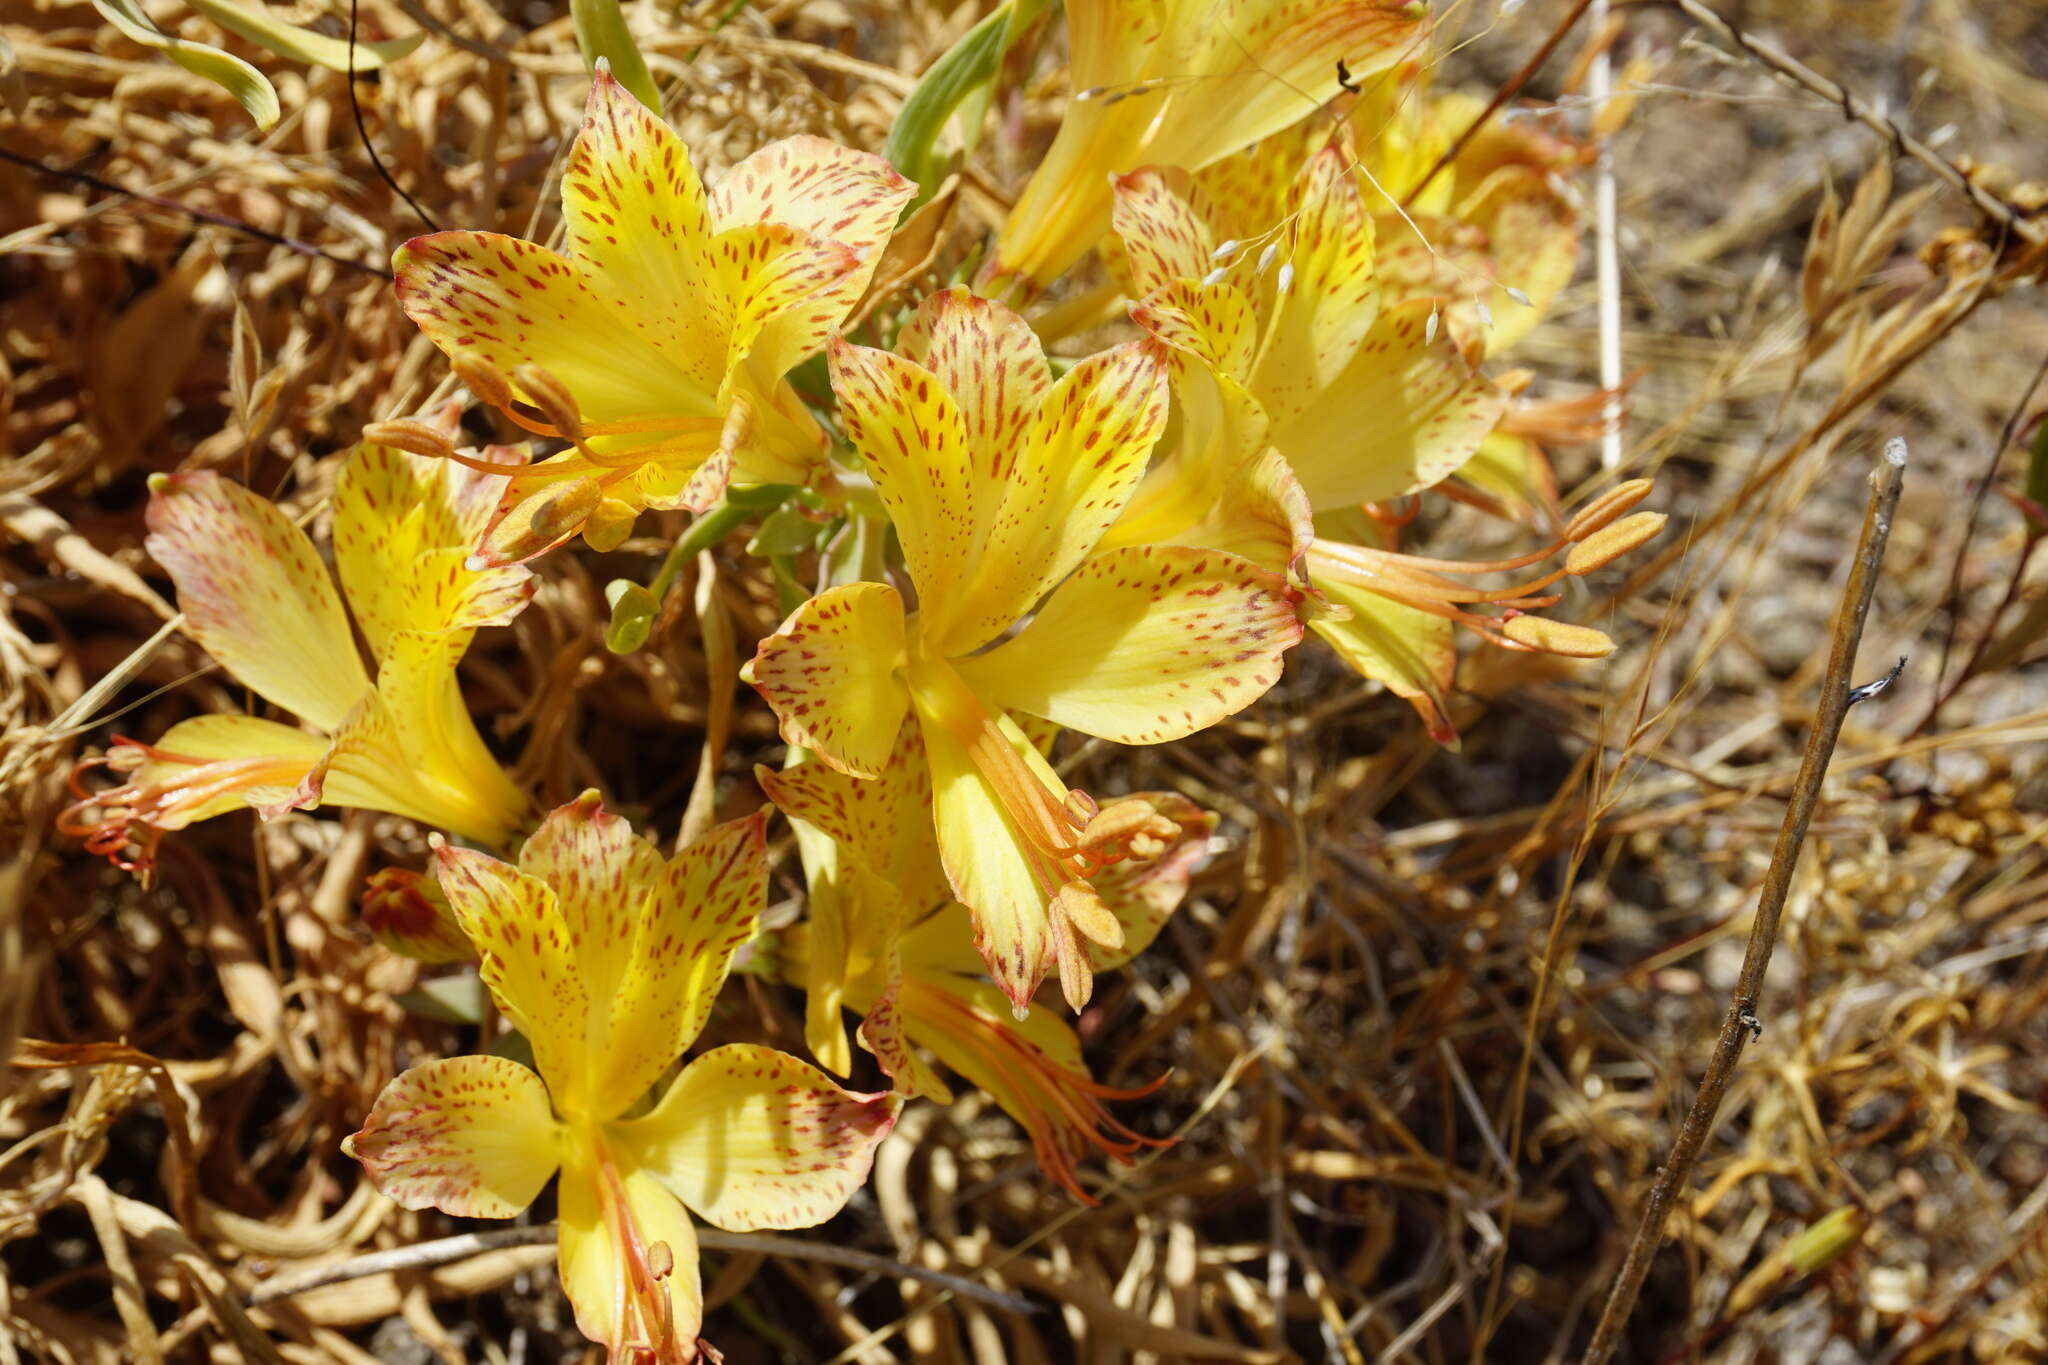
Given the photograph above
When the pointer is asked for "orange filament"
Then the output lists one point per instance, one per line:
(1062, 1110)
(134, 817)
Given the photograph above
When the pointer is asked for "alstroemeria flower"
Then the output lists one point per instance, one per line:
(607, 958)
(999, 483)
(1183, 83)
(658, 344)
(1365, 402)
(258, 599)
(885, 939)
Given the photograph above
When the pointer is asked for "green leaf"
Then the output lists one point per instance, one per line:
(785, 531)
(454, 999)
(960, 82)
(602, 35)
(302, 44)
(248, 85)
(2037, 467)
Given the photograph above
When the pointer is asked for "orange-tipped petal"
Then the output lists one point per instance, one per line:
(1146, 644)
(1143, 894)
(830, 674)
(993, 871)
(470, 1136)
(1405, 414)
(1414, 653)
(751, 1138)
(256, 595)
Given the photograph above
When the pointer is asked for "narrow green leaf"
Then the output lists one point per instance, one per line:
(248, 85)
(602, 35)
(959, 82)
(302, 44)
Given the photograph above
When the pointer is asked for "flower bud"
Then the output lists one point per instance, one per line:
(406, 912)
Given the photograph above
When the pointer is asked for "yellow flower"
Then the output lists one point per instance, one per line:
(1291, 342)
(607, 958)
(885, 939)
(257, 597)
(1183, 83)
(657, 346)
(999, 482)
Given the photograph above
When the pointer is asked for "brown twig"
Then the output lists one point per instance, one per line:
(1741, 1023)
(444, 1250)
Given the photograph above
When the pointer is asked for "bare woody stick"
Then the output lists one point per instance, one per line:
(1741, 1025)
(426, 1255)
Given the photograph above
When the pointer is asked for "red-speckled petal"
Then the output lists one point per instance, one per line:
(470, 1136)
(1214, 323)
(639, 220)
(907, 427)
(705, 905)
(1405, 413)
(826, 192)
(404, 528)
(1082, 455)
(884, 821)
(256, 595)
(752, 1138)
(830, 675)
(1163, 237)
(1316, 322)
(507, 303)
(1146, 644)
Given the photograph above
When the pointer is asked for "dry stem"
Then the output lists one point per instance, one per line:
(1741, 1024)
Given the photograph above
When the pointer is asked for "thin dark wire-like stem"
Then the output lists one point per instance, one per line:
(442, 1251)
(1741, 1023)
(355, 107)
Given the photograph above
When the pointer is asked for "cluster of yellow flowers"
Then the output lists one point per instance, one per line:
(1123, 545)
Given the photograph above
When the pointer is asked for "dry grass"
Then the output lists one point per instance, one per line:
(1431, 1019)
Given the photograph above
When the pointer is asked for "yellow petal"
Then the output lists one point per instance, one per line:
(1183, 83)
(830, 674)
(752, 1138)
(256, 595)
(823, 965)
(826, 192)
(885, 1031)
(1405, 414)
(470, 1136)
(1143, 894)
(1163, 236)
(1412, 652)
(1214, 323)
(1081, 457)
(1145, 644)
(209, 765)
(404, 527)
(457, 784)
(628, 1259)
(605, 956)
(407, 913)
(1322, 296)
(883, 821)
(1534, 233)
(992, 870)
